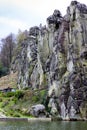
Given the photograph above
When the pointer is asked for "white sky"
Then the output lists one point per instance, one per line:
(22, 14)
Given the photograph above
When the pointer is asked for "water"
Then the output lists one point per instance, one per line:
(37, 125)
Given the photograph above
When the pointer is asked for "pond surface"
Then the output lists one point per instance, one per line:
(37, 125)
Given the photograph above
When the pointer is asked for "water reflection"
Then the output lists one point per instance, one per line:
(59, 125)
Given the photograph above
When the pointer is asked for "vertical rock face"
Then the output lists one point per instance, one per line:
(56, 57)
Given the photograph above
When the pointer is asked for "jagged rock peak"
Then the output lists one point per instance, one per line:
(57, 13)
(55, 18)
(74, 2)
(81, 7)
(34, 31)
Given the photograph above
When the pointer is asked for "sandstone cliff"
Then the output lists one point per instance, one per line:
(55, 57)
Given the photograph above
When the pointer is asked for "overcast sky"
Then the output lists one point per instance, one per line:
(22, 14)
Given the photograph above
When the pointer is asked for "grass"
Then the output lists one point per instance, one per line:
(17, 104)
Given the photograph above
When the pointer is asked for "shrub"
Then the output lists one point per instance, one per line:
(35, 98)
(16, 115)
(19, 94)
(1, 100)
(9, 94)
(15, 100)
(3, 70)
(5, 103)
(27, 88)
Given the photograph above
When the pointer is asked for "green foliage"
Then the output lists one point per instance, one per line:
(45, 99)
(16, 114)
(3, 70)
(17, 104)
(9, 94)
(10, 112)
(13, 113)
(1, 94)
(21, 36)
(20, 39)
(5, 103)
(27, 88)
(15, 100)
(1, 100)
(19, 94)
(35, 98)
(43, 93)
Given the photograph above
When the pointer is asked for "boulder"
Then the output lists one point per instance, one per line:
(38, 110)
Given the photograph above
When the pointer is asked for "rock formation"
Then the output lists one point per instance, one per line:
(55, 57)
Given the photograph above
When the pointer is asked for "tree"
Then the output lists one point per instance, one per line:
(21, 36)
(0, 69)
(8, 45)
(3, 70)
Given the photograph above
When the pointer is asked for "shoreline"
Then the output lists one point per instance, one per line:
(24, 119)
(39, 119)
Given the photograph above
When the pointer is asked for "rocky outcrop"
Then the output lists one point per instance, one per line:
(38, 110)
(55, 57)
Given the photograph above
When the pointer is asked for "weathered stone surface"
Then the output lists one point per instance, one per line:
(38, 110)
(55, 56)
(56, 18)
